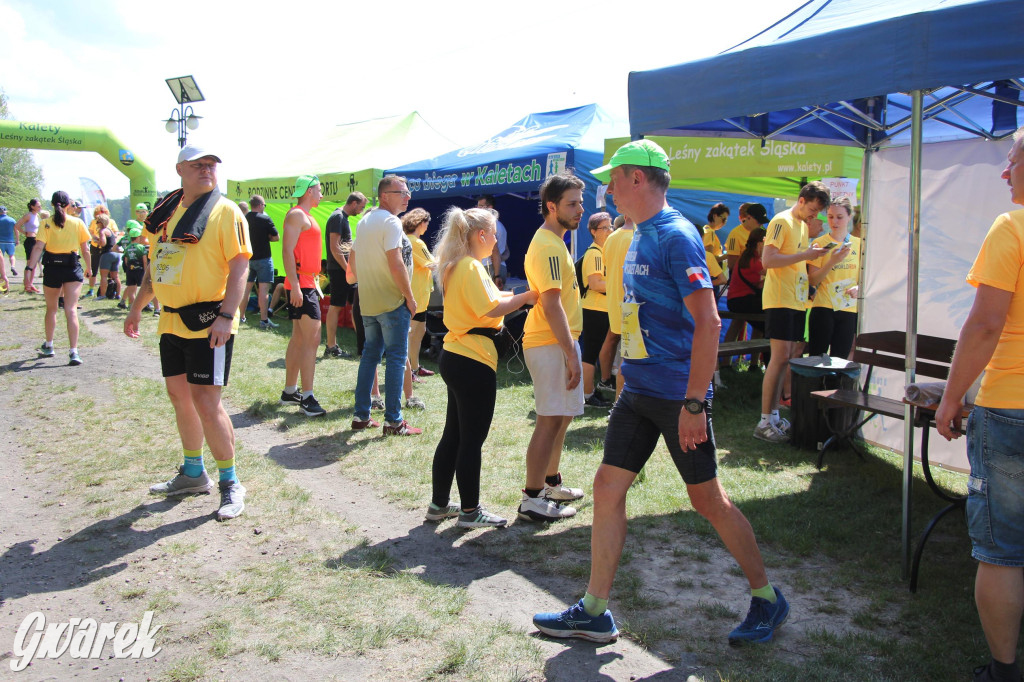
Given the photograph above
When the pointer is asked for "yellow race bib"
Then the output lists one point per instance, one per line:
(632, 336)
(168, 263)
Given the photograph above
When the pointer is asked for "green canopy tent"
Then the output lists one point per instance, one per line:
(347, 158)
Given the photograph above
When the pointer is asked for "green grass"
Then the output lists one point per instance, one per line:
(830, 539)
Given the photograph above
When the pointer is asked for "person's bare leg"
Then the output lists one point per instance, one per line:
(999, 595)
(71, 292)
(309, 339)
(557, 444)
(190, 427)
(261, 291)
(331, 322)
(608, 531)
(710, 501)
(407, 384)
(538, 453)
(244, 303)
(588, 378)
(772, 383)
(416, 331)
(52, 295)
(216, 425)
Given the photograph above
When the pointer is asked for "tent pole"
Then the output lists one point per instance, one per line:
(914, 234)
(865, 196)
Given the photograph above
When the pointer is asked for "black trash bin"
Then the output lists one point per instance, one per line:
(811, 423)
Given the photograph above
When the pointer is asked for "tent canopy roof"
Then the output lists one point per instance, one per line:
(833, 70)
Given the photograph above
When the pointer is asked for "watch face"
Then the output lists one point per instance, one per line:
(694, 406)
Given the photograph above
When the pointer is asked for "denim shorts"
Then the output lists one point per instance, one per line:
(634, 425)
(262, 270)
(995, 488)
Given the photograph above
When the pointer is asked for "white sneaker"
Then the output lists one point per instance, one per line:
(771, 433)
(784, 425)
(561, 493)
(416, 402)
(542, 509)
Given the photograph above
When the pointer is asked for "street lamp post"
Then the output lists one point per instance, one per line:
(183, 119)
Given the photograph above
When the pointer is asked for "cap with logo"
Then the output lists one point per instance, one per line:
(3, 209)
(635, 153)
(303, 183)
(194, 152)
(141, 207)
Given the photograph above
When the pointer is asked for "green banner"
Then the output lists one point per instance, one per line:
(730, 157)
(335, 186)
(72, 138)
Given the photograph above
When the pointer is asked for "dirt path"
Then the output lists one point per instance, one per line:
(43, 571)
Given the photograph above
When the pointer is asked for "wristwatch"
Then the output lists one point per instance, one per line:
(694, 406)
(226, 316)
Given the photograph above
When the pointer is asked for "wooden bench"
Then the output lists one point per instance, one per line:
(887, 349)
(748, 347)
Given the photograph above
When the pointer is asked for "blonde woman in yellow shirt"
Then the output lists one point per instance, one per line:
(474, 308)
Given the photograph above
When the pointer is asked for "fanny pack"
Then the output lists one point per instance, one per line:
(66, 259)
(502, 338)
(197, 316)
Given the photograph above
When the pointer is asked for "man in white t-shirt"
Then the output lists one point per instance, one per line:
(381, 262)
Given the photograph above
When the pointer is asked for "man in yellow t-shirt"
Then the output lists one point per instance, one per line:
(551, 351)
(992, 339)
(199, 253)
(784, 298)
(595, 308)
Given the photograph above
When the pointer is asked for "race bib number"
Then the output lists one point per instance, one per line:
(633, 346)
(168, 263)
(801, 289)
(839, 296)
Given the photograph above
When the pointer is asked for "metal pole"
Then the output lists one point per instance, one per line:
(914, 235)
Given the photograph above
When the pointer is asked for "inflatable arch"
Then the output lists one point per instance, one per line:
(72, 138)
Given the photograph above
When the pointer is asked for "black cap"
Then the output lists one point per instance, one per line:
(758, 213)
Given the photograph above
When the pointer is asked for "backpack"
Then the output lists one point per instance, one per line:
(579, 273)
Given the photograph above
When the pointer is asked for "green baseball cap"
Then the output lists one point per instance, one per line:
(135, 233)
(635, 153)
(141, 207)
(303, 183)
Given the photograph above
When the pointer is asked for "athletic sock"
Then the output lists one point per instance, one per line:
(594, 606)
(532, 492)
(48, 344)
(72, 350)
(775, 417)
(588, 396)
(193, 463)
(765, 419)
(290, 389)
(306, 394)
(1005, 671)
(766, 592)
(226, 468)
(554, 480)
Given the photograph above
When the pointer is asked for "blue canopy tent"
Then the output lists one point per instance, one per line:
(511, 166)
(855, 72)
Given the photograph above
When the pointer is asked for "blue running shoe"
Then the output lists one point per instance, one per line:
(576, 622)
(762, 619)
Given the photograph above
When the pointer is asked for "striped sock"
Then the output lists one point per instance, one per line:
(194, 463)
(226, 468)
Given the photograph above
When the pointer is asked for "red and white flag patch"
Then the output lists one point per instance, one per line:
(695, 274)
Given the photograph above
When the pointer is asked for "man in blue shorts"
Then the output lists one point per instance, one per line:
(669, 346)
(992, 339)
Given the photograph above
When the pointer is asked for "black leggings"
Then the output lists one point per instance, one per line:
(831, 331)
(472, 387)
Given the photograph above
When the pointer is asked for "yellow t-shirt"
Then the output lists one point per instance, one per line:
(736, 241)
(593, 263)
(63, 240)
(422, 274)
(786, 287)
(548, 266)
(615, 248)
(831, 290)
(1000, 264)
(470, 295)
(183, 274)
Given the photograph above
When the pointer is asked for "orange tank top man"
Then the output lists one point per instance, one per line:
(300, 251)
